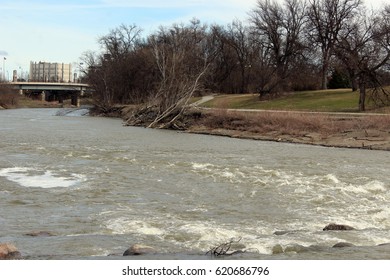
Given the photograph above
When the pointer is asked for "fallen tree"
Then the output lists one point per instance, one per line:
(167, 108)
(224, 249)
(181, 63)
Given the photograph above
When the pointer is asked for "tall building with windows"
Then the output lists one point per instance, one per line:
(50, 72)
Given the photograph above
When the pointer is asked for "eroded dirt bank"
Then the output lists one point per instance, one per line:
(362, 131)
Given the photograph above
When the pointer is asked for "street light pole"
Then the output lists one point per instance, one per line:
(80, 70)
(4, 68)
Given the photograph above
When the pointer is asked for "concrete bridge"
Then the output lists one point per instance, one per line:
(53, 91)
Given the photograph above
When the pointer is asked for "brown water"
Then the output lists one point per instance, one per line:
(101, 187)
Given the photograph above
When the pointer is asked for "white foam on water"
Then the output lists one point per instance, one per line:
(204, 236)
(198, 209)
(220, 172)
(332, 178)
(381, 217)
(39, 178)
(362, 204)
(210, 232)
(228, 174)
(375, 187)
(202, 166)
(124, 225)
(313, 201)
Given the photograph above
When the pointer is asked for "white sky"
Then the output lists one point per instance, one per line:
(61, 30)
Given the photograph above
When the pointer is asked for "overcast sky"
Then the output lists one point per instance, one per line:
(61, 30)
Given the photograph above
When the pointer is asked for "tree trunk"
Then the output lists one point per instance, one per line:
(324, 74)
(354, 79)
(243, 80)
(354, 84)
(362, 96)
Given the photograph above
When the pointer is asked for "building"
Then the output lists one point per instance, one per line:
(50, 72)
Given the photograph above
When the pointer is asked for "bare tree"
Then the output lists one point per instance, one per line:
(237, 37)
(280, 31)
(224, 74)
(364, 47)
(121, 41)
(326, 20)
(182, 61)
(125, 70)
(97, 77)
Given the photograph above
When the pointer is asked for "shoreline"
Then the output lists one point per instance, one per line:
(351, 131)
(367, 132)
(334, 141)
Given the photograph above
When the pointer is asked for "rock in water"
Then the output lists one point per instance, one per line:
(138, 249)
(343, 245)
(277, 249)
(40, 234)
(9, 252)
(337, 227)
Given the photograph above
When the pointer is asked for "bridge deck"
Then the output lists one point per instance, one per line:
(49, 86)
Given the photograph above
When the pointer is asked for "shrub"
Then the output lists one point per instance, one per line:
(9, 98)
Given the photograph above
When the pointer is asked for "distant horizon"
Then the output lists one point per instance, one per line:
(61, 31)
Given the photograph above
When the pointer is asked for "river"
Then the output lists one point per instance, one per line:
(100, 187)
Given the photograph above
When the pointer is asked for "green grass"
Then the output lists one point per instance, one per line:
(341, 100)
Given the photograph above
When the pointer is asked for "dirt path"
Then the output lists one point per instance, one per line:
(204, 99)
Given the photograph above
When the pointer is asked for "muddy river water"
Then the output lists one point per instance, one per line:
(100, 187)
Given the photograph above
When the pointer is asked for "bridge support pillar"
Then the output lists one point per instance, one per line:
(75, 100)
(21, 92)
(60, 99)
(43, 95)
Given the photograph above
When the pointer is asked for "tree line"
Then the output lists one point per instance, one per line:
(283, 46)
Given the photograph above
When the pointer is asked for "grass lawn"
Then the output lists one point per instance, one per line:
(340, 100)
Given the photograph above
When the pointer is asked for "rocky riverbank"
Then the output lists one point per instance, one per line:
(8, 251)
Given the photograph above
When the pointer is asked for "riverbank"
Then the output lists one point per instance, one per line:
(324, 129)
(363, 131)
(341, 130)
